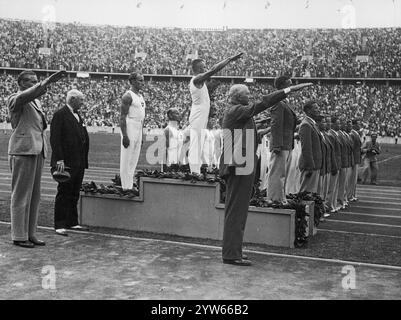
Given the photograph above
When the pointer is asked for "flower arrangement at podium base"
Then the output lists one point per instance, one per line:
(190, 205)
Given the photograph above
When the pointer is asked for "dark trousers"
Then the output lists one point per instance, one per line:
(238, 195)
(65, 209)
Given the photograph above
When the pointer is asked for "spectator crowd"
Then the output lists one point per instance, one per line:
(377, 106)
(302, 53)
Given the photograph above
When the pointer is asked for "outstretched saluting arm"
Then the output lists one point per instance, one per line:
(268, 101)
(202, 77)
(36, 91)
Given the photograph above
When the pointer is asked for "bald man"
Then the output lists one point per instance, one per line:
(238, 164)
(69, 140)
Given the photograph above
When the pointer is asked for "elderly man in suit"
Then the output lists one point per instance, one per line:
(281, 144)
(311, 159)
(238, 164)
(70, 144)
(27, 150)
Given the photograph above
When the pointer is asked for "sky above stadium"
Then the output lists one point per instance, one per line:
(211, 13)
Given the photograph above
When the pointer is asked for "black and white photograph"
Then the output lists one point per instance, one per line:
(200, 155)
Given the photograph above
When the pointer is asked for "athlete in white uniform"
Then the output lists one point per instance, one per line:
(199, 115)
(174, 138)
(131, 123)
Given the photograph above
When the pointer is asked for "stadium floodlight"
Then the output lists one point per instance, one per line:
(83, 75)
(249, 80)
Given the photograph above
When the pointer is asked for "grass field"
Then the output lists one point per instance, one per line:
(105, 152)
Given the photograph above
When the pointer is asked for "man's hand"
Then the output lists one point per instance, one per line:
(300, 86)
(54, 77)
(236, 57)
(126, 142)
(60, 166)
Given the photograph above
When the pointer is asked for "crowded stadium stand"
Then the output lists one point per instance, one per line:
(358, 70)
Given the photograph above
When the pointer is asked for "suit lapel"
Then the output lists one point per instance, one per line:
(70, 117)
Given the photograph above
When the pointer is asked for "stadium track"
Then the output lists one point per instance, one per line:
(378, 211)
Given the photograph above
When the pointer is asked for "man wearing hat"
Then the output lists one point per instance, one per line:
(27, 150)
(69, 140)
(370, 150)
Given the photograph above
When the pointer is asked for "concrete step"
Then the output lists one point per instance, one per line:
(364, 227)
(374, 209)
(370, 218)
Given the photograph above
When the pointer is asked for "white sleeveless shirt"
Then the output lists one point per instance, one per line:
(175, 145)
(199, 115)
(137, 108)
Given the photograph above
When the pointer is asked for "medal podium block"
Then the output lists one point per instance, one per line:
(181, 208)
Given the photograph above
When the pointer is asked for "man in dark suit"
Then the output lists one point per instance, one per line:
(283, 124)
(238, 164)
(311, 159)
(336, 164)
(27, 150)
(356, 139)
(70, 144)
(346, 164)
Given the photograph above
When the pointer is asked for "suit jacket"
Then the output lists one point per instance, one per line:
(344, 150)
(69, 140)
(332, 165)
(325, 153)
(28, 122)
(311, 151)
(337, 148)
(357, 146)
(240, 117)
(283, 124)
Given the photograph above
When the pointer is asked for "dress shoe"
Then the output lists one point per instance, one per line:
(62, 232)
(24, 244)
(37, 242)
(79, 228)
(238, 262)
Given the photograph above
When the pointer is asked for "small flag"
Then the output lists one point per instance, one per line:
(267, 5)
(182, 6)
(139, 4)
(307, 4)
(224, 5)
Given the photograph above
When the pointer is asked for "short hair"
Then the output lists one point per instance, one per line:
(234, 91)
(134, 76)
(280, 81)
(334, 119)
(309, 105)
(169, 111)
(374, 134)
(355, 121)
(73, 94)
(24, 74)
(196, 62)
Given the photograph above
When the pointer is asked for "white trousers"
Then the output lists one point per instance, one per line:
(196, 144)
(129, 156)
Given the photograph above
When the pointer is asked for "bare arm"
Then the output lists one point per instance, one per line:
(202, 77)
(126, 103)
